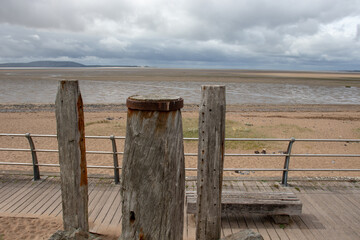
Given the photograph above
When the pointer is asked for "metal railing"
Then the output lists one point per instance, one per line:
(288, 155)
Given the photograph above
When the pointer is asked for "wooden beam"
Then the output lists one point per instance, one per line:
(153, 170)
(72, 159)
(210, 162)
(269, 203)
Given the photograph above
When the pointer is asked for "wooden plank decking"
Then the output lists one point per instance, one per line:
(331, 209)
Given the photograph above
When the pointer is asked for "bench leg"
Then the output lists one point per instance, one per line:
(281, 219)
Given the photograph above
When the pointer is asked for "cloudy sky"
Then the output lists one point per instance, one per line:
(245, 34)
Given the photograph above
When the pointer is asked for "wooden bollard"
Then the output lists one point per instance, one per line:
(71, 141)
(153, 169)
(210, 162)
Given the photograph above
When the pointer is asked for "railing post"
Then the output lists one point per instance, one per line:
(34, 157)
(287, 163)
(72, 158)
(210, 162)
(116, 162)
(153, 169)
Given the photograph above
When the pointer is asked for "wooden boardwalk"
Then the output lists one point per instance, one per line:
(331, 209)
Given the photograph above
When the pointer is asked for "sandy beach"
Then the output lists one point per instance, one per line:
(255, 121)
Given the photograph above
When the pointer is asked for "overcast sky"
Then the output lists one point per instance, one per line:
(245, 34)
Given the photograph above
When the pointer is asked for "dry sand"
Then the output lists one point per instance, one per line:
(260, 121)
(28, 228)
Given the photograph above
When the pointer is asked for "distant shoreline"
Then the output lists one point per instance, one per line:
(28, 107)
(56, 64)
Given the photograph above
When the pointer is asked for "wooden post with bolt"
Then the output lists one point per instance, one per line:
(210, 162)
(153, 170)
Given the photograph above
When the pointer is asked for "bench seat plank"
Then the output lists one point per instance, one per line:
(270, 203)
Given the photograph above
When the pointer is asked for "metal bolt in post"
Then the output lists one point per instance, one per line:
(287, 163)
(34, 157)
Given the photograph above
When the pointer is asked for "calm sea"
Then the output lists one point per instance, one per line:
(43, 90)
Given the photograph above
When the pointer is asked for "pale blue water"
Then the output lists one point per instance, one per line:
(44, 91)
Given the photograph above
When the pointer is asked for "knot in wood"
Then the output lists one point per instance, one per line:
(154, 102)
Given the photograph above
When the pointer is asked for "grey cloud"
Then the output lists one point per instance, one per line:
(228, 33)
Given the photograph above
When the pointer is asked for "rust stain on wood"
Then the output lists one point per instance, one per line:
(83, 177)
(161, 123)
(141, 235)
(130, 113)
(63, 84)
(147, 114)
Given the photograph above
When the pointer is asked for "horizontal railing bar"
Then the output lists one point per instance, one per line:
(327, 140)
(99, 152)
(294, 170)
(52, 150)
(191, 139)
(287, 140)
(103, 152)
(195, 169)
(15, 149)
(94, 166)
(258, 139)
(104, 137)
(281, 155)
(45, 150)
(54, 135)
(195, 139)
(195, 154)
(254, 169)
(15, 163)
(253, 155)
(325, 169)
(44, 135)
(12, 135)
(325, 155)
(190, 154)
(48, 165)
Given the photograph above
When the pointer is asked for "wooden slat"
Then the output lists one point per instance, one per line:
(105, 215)
(269, 228)
(15, 196)
(337, 214)
(260, 226)
(117, 214)
(330, 232)
(50, 201)
(258, 202)
(30, 198)
(279, 230)
(94, 212)
(38, 198)
(14, 187)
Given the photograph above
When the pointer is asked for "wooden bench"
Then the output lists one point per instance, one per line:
(279, 205)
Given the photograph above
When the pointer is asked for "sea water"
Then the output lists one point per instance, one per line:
(44, 91)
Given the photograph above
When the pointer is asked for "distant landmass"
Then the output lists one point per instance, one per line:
(55, 64)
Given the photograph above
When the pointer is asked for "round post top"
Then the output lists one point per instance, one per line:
(155, 102)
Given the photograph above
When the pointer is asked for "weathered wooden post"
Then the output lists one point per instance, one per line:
(210, 162)
(153, 170)
(71, 141)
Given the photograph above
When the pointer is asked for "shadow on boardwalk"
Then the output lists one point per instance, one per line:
(331, 209)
